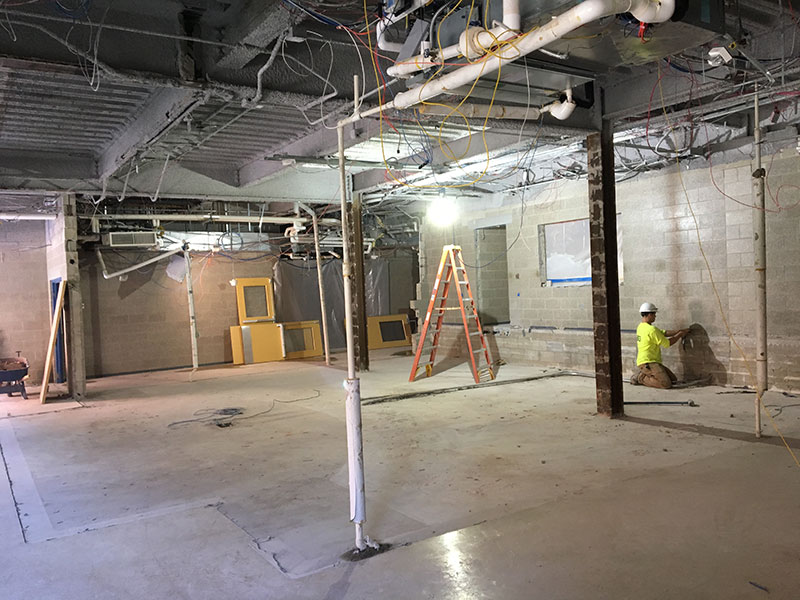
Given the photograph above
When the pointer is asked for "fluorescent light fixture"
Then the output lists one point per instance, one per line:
(442, 211)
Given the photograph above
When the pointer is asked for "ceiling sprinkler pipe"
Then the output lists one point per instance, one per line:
(648, 11)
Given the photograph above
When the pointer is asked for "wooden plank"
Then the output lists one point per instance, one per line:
(55, 322)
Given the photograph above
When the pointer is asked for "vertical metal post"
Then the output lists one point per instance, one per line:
(605, 271)
(192, 318)
(355, 454)
(322, 306)
(760, 238)
(359, 285)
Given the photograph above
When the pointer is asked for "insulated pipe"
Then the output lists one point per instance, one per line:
(511, 17)
(190, 296)
(648, 11)
(380, 33)
(209, 217)
(253, 102)
(107, 275)
(383, 25)
(28, 217)
(472, 43)
(355, 452)
(420, 62)
(322, 306)
(496, 111)
(760, 237)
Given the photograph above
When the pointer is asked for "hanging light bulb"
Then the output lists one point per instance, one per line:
(442, 210)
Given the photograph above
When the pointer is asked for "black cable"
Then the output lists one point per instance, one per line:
(225, 417)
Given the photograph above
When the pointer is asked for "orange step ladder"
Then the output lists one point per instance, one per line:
(453, 270)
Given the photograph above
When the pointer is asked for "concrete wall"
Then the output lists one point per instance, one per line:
(403, 278)
(663, 263)
(143, 323)
(24, 301)
(492, 283)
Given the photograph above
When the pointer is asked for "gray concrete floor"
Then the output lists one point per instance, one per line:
(514, 491)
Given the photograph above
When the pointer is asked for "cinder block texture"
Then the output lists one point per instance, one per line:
(142, 323)
(687, 245)
(24, 302)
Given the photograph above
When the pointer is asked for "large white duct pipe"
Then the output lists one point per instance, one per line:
(472, 43)
(479, 111)
(648, 11)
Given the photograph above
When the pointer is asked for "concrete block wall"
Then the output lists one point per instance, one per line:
(491, 287)
(662, 263)
(142, 323)
(25, 300)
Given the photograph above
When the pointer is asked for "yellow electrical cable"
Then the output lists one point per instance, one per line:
(732, 338)
(380, 100)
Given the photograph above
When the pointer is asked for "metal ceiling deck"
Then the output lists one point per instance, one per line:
(61, 112)
(228, 134)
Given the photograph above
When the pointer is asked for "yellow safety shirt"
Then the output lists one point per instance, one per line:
(649, 340)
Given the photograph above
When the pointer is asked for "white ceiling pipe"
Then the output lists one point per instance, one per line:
(27, 217)
(163, 255)
(561, 110)
(518, 113)
(511, 17)
(472, 43)
(648, 11)
(383, 25)
(217, 218)
(420, 62)
(383, 43)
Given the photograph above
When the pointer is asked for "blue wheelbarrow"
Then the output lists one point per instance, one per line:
(12, 376)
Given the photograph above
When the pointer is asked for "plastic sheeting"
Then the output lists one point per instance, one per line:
(376, 282)
(297, 293)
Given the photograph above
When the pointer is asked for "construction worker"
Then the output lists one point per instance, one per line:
(649, 341)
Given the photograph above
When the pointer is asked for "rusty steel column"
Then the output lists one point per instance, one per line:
(605, 271)
(359, 285)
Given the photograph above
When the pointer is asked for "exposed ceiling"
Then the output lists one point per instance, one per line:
(164, 98)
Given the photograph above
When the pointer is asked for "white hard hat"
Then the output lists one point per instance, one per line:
(648, 307)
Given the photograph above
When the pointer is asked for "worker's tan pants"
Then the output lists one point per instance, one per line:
(656, 375)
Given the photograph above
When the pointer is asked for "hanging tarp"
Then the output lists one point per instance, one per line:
(297, 293)
(376, 279)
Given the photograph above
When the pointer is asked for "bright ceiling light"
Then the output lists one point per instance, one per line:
(442, 211)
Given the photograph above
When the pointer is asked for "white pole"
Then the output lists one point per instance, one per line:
(760, 236)
(322, 306)
(192, 317)
(355, 453)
